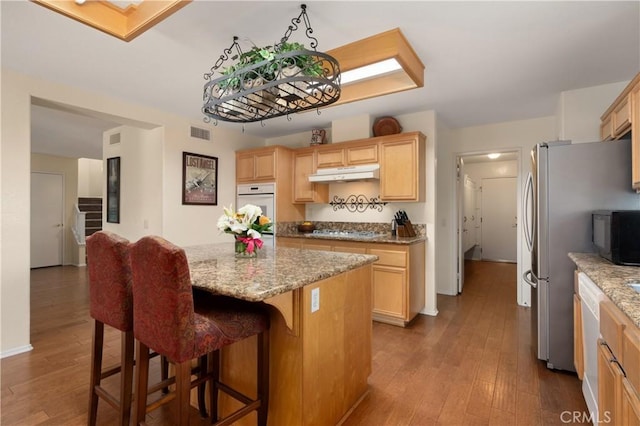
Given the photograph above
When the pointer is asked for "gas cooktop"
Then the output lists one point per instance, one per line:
(346, 234)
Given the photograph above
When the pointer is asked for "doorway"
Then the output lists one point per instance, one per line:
(47, 224)
(491, 210)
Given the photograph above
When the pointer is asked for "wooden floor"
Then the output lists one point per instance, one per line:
(472, 364)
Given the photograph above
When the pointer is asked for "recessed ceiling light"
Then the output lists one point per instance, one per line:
(80, 1)
(369, 71)
(493, 156)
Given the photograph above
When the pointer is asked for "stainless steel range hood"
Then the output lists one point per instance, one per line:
(346, 174)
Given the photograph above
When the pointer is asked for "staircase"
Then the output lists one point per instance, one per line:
(93, 217)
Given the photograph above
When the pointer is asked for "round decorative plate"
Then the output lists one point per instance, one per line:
(386, 126)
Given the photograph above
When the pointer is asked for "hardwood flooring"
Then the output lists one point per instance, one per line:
(472, 364)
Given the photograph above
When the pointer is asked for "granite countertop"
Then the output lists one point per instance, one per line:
(215, 268)
(613, 280)
(383, 238)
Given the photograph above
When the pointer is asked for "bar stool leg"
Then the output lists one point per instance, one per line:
(214, 363)
(126, 376)
(96, 371)
(202, 368)
(142, 381)
(183, 391)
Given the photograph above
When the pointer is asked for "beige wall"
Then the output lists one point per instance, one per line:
(68, 168)
(182, 224)
(90, 179)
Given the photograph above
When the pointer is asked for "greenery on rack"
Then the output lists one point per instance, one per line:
(267, 63)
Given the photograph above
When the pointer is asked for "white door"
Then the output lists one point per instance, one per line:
(499, 220)
(47, 196)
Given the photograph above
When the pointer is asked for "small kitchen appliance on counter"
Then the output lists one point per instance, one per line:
(616, 235)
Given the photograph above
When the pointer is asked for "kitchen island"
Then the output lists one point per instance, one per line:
(320, 335)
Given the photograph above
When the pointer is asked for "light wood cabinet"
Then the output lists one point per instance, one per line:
(258, 165)
(304, 164)
(402, 167)
(624, 115)
(618, 367)
(271, 164)
(635, 136)
(348, 153)
(610, 377)
(398, 275)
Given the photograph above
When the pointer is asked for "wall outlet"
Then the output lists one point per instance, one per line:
(315, 299)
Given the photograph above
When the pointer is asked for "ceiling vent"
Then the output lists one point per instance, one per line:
(198, 133)
(114, 139)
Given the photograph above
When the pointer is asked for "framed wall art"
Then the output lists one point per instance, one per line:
(113, 190)
(199, 179)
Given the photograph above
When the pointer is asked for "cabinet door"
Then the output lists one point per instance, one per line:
(635, 137)
(630, 406)
(265, 166)
(389, 291)
(578, 357)
(366, 154)
(609, 386)
(303, 190)
(400, 175)
(333, 157)
(244, 167)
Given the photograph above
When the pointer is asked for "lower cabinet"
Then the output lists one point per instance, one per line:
(398, 275)
(618, 368)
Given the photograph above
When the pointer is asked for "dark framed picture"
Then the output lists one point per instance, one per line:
(199, 179)
(113, 190)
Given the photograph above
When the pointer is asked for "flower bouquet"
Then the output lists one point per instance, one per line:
(247, 225)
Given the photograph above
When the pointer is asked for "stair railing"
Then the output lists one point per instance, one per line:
(79, 226)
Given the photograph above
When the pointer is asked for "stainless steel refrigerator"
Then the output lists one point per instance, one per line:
(568, 181)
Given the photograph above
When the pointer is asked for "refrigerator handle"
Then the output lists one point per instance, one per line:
(531, 282)
(526, 210)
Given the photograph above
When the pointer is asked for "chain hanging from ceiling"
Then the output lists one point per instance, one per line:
(272, 81)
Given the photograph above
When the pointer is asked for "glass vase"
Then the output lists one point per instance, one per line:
(241, 250)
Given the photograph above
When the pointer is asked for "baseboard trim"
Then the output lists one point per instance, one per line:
(16, 351)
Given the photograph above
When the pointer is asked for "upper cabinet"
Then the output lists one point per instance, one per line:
(304, 164)
(624, 115)
(402, 167)
(347, 154)
(635, 136)
(256, 165)
(271, 164)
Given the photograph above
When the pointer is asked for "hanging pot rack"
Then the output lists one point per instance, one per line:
(288, 82)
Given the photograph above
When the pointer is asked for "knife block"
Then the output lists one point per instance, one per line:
(406, 229)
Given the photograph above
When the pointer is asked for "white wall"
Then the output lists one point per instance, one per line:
(182, 224)
(90, 178)
(579, 111)
(491, 169)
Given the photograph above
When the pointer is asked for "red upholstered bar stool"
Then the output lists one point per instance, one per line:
(167, 321)
(110, 302)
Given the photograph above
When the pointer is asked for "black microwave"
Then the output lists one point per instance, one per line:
(616, 235)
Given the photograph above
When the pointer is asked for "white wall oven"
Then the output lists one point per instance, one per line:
(263, 196)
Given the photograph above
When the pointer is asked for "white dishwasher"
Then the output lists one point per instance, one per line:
(590, 296)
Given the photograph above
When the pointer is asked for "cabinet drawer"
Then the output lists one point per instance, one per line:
(390, 257)
(612, 325)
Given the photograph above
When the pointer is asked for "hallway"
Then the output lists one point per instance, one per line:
(472, 364)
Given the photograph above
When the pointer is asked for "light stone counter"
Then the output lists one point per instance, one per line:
(613, 280)
(275, 271)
